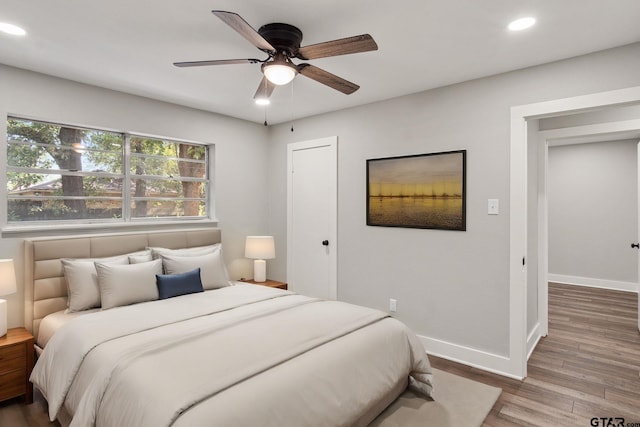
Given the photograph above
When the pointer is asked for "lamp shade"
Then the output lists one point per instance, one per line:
(280, 70)
(7, 277)
(260, 247)
(279, 74)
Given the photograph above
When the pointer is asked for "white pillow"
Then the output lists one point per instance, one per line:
(213, 273)
(197, 250)
(82, 282)
(128, 284)
(140, 257)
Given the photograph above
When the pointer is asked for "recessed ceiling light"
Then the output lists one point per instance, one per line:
(12, 29)
(522, 23)
(262, 101)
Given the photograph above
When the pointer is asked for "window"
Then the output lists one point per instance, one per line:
(66, 173)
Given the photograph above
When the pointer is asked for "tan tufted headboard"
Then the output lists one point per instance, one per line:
(45, 286)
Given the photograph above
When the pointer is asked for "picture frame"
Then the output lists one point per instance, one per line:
(418, 191)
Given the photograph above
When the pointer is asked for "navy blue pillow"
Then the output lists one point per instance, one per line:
(173, 285)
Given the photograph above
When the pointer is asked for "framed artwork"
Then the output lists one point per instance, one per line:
(419, 191)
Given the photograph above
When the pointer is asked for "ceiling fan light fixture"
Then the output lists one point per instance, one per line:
(262, 101)
(279, 71)
(279, 74)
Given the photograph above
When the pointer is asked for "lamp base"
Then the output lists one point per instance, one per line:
(259, 270)
(3, 317)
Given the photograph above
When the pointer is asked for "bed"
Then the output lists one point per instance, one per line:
(198, 349)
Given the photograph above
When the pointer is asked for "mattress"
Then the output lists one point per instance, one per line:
(242, 355)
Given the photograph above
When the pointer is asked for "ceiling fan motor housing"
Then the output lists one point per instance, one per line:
(283, 37)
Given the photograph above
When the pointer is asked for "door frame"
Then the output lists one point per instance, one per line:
(518, 205)
(332, 143)
(566, 136)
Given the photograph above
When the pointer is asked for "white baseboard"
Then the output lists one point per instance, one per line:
(593, 283)
(468, 356)
(533, 339)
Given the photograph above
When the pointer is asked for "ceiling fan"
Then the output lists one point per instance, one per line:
(281, 42)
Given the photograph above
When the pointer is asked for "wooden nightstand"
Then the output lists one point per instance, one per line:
(270, 283)
(16, 363)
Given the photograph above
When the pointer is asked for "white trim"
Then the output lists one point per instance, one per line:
(468, 356)
(518, 246)
(95, 227)
(579, 134)
(518, 202)
(332, 143)
(533, 339)
(592, 282)
(543, 240)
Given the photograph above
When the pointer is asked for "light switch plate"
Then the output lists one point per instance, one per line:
(493, 207)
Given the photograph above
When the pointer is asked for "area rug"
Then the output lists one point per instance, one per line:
(457, 402)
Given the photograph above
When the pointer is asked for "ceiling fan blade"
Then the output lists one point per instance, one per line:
(355, 44)
(216, 62)
(241, 26)
(326, 78)
(265, 89)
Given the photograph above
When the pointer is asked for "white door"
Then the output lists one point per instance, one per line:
(312, 217)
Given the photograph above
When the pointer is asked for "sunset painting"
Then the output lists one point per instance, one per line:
(421, 191)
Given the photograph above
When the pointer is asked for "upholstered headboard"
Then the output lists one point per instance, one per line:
(45, 286)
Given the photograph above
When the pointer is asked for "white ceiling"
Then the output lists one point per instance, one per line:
(130, 45)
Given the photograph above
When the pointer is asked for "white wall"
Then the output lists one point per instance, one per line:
(451, 287)
(592, 193)
(240, 151)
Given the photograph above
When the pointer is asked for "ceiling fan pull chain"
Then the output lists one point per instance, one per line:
(265, 116)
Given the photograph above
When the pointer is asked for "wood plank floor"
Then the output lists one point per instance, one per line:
(588, 366)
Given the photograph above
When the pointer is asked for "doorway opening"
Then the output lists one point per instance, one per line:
(623, 137)
(525, 258)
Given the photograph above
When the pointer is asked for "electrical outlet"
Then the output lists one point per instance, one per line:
(393, 305)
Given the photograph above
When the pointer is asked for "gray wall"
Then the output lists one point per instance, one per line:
(240, 152)
(451, 286)
(592, 193)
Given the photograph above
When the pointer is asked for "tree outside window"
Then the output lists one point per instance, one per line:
(58, 172)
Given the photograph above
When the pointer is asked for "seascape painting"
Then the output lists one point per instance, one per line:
(420, 191)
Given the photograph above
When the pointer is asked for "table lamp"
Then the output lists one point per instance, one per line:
(260, 248)
(7, 286)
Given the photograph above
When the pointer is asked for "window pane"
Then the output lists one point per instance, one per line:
(39, 209)
(167, 167)
(33, 184)
(168, 208)
(169, 161)
(167, 158)
(88, 161)
(49, 146)
(168, 189)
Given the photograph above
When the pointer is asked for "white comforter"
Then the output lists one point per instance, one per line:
(243, 355)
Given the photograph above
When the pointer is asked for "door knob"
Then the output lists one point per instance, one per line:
(635, 245)
(325, 243)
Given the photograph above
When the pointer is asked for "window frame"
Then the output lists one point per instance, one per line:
(127, 177)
